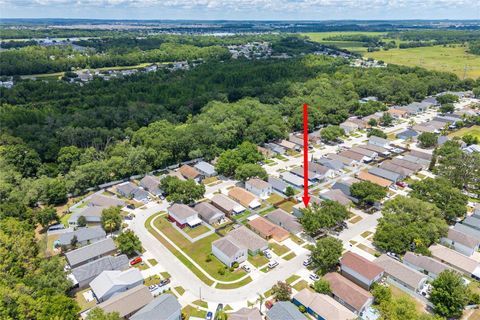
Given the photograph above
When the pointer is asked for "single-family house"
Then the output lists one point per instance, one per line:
(183, 216)
(189, 172)
(407, 164)
(335, 165)
(369, 98)
(407, 134)
(398, 113)
(288, 145)
(376, 116)
(380, 150)
(362, 124)
(420, 154)
(322, 306)
(293, 179)
(402, 276)
(131, 190)
(386, 174)
(109, 283)
(426, 265)
(456, 260)
(424, 127)
(348, 126)
(346, 161)
(472, 148)
(91, 252)
(344, 185)
(209, 213)
(354, 156)
(379, 142)
(323, 171)
(267, 153)
(151, 184)
(83, 236)
(353, 297)
(472, 222)
(248, 239)
(284, 310)
(163, 307)
(297, 209)
(259, 187)
(368, 153)
(292, 137)
(390, 166)
(244, 197)
(463, 228)
(228, 250)
(84, 274)
(312, 176)
(424, 163)
(246, 314)
(99, 200)
(275, 148)
(267, 229)
(360, 270)
(335, 195)
(128, 302)
(431, 100)
(205, 169)
(285, 220)
(227, 205)
(461, 242)
(93, 215)
(366, 176)
(277, 184)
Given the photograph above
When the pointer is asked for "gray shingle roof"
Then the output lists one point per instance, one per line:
(472, 222)
(208, 211)
(104, 201)
(90, 251)
(426, 263)
(400, 271)
(181, 211)
(151, 183)
(205, 168)
(94, 268)
(83, 234)
(248, 238)
(127, 302)
(383, 173)
(228, 246)
(277, 184)
(162, 307)
(127, 188)
(285, 220)
(463, 238)
(108, 280)
(376, 139)
(331, 163)
(467, 230)
(284, 310)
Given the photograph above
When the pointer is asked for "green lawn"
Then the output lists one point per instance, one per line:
(280, 157)
(201, 303)
(474, 131)
(155, 279)
(279, 249)
(153, 262)
(287, 206)
(209, 180)
(165, 275)
(292, 279)
(234, 285)
(198, 251)
(290, 256)
(258, 260)
(84, 304)
(300, 285)
(197, 231)
(275, 198)
(190, 311)
(180, 290)
(64, 219)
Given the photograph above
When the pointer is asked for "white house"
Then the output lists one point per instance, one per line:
(379, 142)
(229, 251)
(461, 242)
(113, 282)
(348, 126)
(258, 187)
(183, 215)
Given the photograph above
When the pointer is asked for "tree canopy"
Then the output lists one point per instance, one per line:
(179, 191)
(449, 294)
(326, 253)
(325, 215)
(367, 192)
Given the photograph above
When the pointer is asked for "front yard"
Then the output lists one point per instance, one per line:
(258, 260)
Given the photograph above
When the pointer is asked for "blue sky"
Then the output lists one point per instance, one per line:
(242, 9)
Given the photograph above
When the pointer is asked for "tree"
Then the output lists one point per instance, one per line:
(407, 221)
(386, 119)
(326, 253)
(449, 294)
(230, 160)
(322, 286)
(250, 170)
(82, 221)
(439, 191)
(372, 122)
(427, 139)
(289, 191)
(111, 219)
(377, 132)
(327, 214)
(182, 191)
(447, 108)
(74, 241)
(129, 243)
(447, 98)
(331, 133)
(282, 291)
(367, 192)
(221, 315)
(99, 314)
(470, 139)
(46, 215)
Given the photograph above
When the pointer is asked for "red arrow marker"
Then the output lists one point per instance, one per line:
(306, 197)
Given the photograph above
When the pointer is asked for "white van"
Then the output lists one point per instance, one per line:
(272, 264)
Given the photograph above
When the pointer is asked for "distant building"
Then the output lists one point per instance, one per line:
(205, 169)
(380, 142)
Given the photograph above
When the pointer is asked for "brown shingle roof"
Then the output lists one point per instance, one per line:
(347, 291)
(364, 175)
(323, 305)
(462, 238)
(189, 172)
(268, 229)
(241, 195)
(361, 265)
(128, 301)
(258, 183)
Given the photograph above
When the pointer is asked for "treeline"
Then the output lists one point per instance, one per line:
(16, 33)
(474, 47)
(37, 59)
(17, 44)
(438, 36)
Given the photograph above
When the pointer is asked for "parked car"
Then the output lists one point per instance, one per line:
(393, 255)
(246, 268)
(268, 304)
(307, 262)
(164, 282)
(135, 261)
(272, 264)
(131, 206)
(209, 316)
(219, 307)
(402, 184)
(314, 277)
(267, 254)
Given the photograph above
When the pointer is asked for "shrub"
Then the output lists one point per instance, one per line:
(235, 265)
(221, 271)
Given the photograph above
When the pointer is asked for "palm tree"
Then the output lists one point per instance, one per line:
(109, 225)
(260, 301)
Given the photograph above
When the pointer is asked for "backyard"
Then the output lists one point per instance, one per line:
(474, 131)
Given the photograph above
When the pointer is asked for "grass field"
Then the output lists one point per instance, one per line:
(474, 131)
(437, 58)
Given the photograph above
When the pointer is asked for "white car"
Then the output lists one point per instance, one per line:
(267, 254)
(307, 262)
(272, 264)
(246, 268)
(314, 277)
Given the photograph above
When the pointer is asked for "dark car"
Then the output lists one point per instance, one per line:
(209, 315)
(164, 282)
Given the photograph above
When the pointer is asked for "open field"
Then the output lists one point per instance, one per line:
(434, 58)
(474, 131)
(354, 46)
